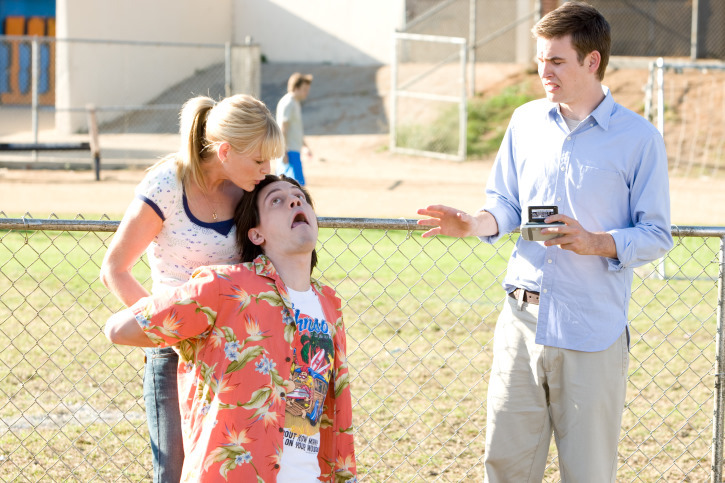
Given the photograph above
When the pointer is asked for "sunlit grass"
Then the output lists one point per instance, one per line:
(420, 316)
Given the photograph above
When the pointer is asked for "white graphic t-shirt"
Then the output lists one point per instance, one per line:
(311, 372)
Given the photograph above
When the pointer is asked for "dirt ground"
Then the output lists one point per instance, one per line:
(350, 175)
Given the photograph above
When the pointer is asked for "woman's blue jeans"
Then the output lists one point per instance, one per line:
(161, 395)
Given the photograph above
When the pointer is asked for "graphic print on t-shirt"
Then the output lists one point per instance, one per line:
(310, 373)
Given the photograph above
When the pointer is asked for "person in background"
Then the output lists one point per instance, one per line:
(560, 351)
(182, 217)
(263, 377)
(289, 118)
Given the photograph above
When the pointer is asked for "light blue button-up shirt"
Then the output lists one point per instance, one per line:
(610, 174)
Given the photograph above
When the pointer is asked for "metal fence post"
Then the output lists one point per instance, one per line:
(648, 92)
(718, 432)
(661, 95)
(227, 69)
(694, 29)
(393, 95)
(35, 72)
(472, 42)
(463, 112)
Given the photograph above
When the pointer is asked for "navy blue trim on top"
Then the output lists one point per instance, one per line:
(153, 206)
(221, 227)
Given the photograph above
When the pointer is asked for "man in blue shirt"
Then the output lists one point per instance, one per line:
(561, 342)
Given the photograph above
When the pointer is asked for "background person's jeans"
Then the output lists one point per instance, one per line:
(293, 168)
(161, 395)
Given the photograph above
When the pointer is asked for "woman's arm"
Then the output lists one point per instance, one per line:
(138, 228)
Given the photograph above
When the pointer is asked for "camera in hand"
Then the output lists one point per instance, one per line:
(531, 231)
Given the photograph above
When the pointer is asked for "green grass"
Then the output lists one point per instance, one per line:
(420, 316)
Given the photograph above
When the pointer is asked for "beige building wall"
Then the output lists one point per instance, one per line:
(336, 31)
(106, 74)
(117, 75)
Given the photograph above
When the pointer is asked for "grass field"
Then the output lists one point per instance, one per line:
(420, 317)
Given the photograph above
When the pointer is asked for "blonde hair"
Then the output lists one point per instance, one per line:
(240, 120)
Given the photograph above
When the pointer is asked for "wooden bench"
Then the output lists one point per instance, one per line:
(92, 146)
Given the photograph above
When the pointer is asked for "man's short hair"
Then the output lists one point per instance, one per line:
(297, 80)
(589, 30)
(246, 217)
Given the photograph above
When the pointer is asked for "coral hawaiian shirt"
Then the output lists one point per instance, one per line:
(235, 331)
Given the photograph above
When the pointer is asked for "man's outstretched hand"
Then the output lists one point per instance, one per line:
(448, 221)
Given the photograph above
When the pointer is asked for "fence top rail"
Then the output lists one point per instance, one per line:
(673, 64)
(430, 38)
(154, 43)
(32, 224)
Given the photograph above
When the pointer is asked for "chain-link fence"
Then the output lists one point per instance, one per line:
(667, 28)
(499, 31)
(686, 100)
(428, 98)
(136, 89)
(434, 67)
(671, 28)
(420, 316)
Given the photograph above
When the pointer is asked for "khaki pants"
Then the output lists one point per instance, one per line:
(536, 390)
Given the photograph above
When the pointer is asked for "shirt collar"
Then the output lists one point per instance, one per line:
(263, 266)
(601, 114)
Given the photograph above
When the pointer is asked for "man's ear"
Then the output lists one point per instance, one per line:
(594, 59)
(255, 236)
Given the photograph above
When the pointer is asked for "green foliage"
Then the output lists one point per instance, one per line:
(487, 121)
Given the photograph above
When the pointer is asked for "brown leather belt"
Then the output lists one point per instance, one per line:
(529, 297)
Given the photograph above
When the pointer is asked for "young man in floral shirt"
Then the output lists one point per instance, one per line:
(263, 376)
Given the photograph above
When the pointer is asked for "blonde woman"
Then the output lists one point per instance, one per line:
(182, 217)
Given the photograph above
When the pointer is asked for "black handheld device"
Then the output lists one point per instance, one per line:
(531, 231)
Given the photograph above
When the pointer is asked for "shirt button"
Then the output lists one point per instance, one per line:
(563, 168)
(550, 261)
(568, 138)
(558, 198)
(546, 290)
(281, 430)
(276, 466)
(287, 359)
(282, 394)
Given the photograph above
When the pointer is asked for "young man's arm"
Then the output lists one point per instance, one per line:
(122, 328)
(167, 318)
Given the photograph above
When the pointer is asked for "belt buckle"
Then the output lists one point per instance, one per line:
(520, 298)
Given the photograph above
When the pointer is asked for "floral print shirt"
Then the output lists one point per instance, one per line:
(234, 328)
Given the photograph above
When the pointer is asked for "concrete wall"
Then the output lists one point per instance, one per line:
(108, 74)
(318, 31)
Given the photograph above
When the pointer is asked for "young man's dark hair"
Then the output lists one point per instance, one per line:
(589, 30)
(246, 217)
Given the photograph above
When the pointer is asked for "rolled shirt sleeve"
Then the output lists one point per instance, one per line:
(651, 236)
(183, 313)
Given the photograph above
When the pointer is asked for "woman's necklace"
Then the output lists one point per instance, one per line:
(213, 205)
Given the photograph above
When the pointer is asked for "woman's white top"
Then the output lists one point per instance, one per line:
(184, 243)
